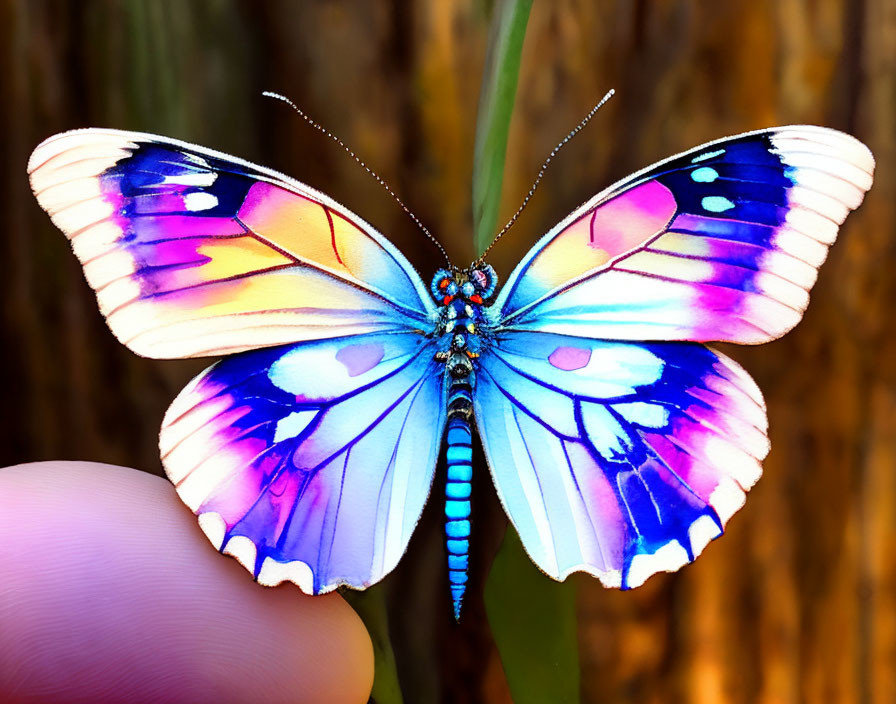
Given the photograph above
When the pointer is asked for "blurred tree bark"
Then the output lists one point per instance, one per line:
(798, 602)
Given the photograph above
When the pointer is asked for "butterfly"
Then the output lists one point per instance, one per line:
(618, 442)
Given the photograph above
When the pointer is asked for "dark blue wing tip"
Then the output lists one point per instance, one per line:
(148, 169)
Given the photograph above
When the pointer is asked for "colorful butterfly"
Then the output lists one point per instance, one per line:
(619, 444)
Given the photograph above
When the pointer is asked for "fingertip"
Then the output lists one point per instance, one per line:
(112, 593)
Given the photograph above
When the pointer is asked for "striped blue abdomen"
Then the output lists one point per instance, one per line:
(459, 456)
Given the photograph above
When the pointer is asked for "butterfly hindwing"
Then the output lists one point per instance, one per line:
(311, 462)
(720, 243)
(196, 253)
(614, 458)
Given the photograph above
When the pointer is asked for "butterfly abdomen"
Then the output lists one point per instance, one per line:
(459, 455)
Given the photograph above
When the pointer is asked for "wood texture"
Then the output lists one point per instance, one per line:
(798, 602)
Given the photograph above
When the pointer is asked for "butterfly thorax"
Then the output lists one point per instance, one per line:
(461, 295)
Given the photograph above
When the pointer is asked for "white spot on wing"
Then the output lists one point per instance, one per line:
(727, 498)
(707, 155)
(96, 240)
(201, 178)
(791, 268)
(199, 201)
(190, 413)
(782, 290)
(299, 573)
(801, 246)
(831, 207)
(830, 184)
(611, 579)
(603, 430)
(648, 415)
(117, 294)
(293, 424)
(859, 176)
(198, 160)
(740, 466)
(59, 195)
(243, 549)
(202, 470)
(672, 556)
(834, 148)
(703, 530)
(214, 527)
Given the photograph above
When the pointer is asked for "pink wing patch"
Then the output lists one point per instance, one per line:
(360, 358)
(570, 358)
(596, 238)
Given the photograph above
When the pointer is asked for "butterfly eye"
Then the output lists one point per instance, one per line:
(485, 280)
(441, 284)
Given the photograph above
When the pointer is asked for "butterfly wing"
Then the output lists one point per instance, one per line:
(308, 462)
(720, 243)
(624, 458)
(196, 253)
(311, 462)
(615, 458)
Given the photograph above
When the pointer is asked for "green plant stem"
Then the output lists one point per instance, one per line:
(533, 619)
(370, 605)
(496, 97)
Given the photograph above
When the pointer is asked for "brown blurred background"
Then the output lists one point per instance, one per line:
(798, 602)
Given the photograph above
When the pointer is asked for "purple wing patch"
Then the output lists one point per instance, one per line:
(310, 462)
(570, 358)
(361, 357)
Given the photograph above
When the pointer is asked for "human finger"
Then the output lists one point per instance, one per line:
(109, 591)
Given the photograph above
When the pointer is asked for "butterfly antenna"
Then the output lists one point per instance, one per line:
(324, 130)
(544, 166)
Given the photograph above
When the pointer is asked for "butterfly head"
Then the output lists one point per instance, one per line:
(474, 285)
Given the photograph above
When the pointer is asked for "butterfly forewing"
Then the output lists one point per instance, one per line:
(720, 243)
(194, 253)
